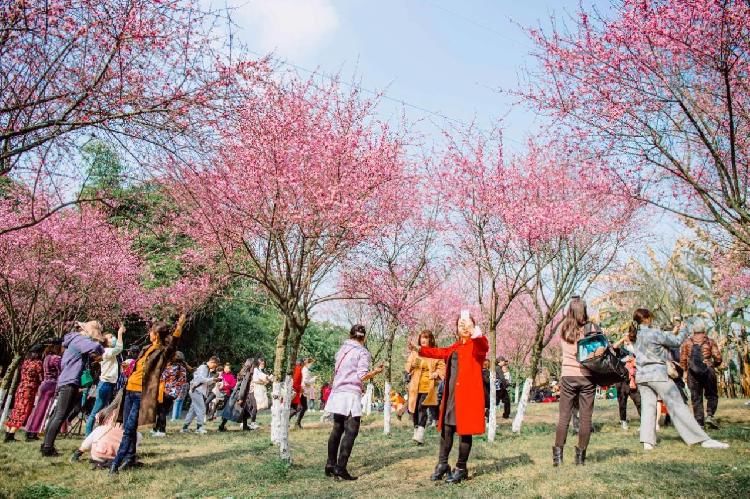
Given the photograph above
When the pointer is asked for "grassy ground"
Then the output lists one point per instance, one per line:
(236, 464)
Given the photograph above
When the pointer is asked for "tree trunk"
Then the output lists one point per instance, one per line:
(367, 399)
(279, 373)
(521, 409)
(9, 397)
(536, 356)
(284, 451)
(388, 376)
(8, 379)
(492, 416)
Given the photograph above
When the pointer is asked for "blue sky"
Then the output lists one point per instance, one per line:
(445, 57)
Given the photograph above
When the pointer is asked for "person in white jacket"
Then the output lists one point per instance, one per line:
(110, 371)
(260, 380)
(199, 386)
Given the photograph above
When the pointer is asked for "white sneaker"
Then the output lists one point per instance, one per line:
(158, 434)
(253, 426)
(714, 444)
(624, 425)
(647, 446)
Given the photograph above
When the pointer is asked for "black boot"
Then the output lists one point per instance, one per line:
(49, 451)
(329, 469)
(457, 475)
(440, 471)
(9, 437)
(580, 456)
(557, 456)
(30, 437)
(342, 474)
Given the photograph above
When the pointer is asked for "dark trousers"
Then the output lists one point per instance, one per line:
(446, 444)
(251, 408)
(131, 408)
(162, 410)
(340, 443)
(300, 409)
(420, 411)
(698, 387)
(623, 392)
(67, 399)
(504, 397)
(582, 390)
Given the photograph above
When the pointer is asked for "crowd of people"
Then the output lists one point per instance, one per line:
(445, 387)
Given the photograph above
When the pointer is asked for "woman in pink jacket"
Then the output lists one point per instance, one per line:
(345, 402)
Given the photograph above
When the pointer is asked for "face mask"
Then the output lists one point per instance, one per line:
(114, 342)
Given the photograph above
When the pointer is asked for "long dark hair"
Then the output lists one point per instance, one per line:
(575, 318)
(639, 317)
(357, 332)
(247, 368)
(430, 337)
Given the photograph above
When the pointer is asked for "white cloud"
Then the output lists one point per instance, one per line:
(290, 28)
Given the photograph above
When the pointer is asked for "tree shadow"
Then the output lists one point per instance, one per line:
(501, 465)
(604, 455)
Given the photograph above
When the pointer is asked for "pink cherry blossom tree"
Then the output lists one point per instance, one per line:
(394, 273)
(660, 88)
(148, 75)
(72, 266)
(304, 176)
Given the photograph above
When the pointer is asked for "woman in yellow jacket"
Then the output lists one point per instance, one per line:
(425, 375)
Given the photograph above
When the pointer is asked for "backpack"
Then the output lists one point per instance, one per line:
(696, 363)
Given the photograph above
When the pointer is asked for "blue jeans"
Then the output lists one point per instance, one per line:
(104, 394)
(177, 409)
(131, 408)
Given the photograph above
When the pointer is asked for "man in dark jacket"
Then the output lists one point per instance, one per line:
(699, 356)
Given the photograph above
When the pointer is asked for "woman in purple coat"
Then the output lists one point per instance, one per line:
(46, 393)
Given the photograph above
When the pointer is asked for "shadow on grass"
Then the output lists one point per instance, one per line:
(501, 465)
(605, 455)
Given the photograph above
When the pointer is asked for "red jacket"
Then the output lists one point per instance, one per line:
(469, 388)
(297, 384)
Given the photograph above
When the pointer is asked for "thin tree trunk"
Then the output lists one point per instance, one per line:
(492, 417)
(8, 379)
(522, 403)
(278, 377)
(9, 397)
(536, 356)
(388, 376)
(367, 399)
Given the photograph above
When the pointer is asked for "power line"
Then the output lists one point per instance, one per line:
(376, 93)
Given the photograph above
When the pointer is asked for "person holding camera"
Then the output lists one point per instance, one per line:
(79, 346)
(105, 390)
(651, 351)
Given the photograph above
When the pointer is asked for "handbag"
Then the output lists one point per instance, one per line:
(597, 355)
(87, 379)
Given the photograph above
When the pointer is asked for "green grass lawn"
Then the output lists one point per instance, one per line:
(237, 464)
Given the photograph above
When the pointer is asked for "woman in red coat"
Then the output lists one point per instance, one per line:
(462, 406)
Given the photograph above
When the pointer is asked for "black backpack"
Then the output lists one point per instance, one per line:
(696, 364)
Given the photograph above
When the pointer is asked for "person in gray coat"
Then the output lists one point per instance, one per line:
(651, 354)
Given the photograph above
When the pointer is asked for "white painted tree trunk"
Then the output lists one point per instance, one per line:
(9, 397)
(515, 398)
(284, 450)
(492, 423)
(387, 409)
(367, 399)
(276, 395)
(522, 403)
